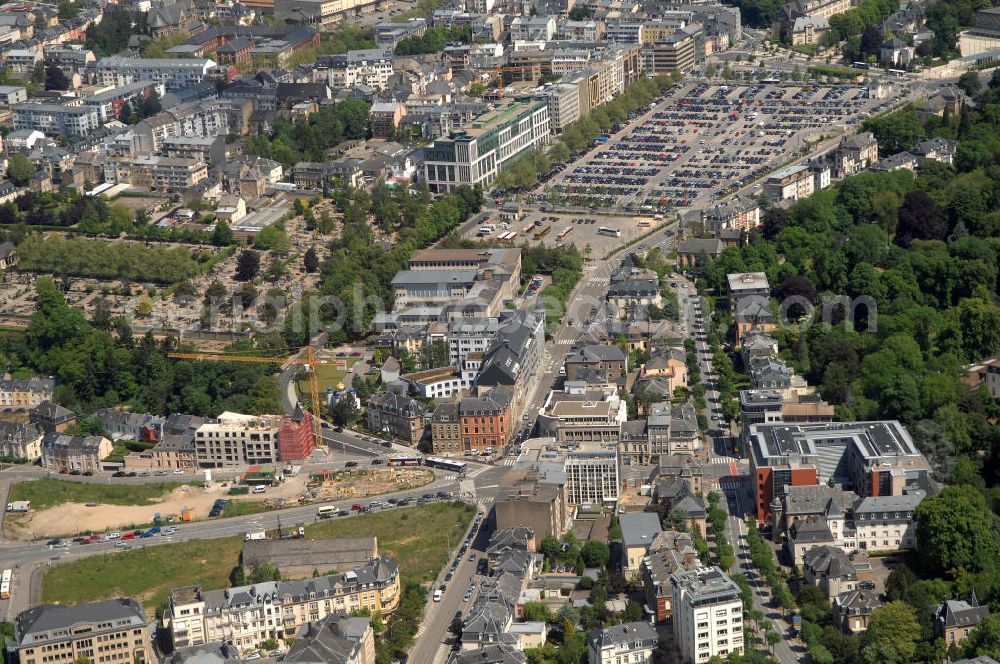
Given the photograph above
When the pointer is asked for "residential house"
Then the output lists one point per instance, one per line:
(399, 416)
(20, 441)
(25, 393)
(63, 452)
(50, 416)
(629, 642)
(853, 609)
(639, 529)
(955, 618)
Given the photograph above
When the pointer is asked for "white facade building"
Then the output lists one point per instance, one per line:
(708, 614)
(592, 475)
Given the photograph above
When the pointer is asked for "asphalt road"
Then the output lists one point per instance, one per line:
(25, 556)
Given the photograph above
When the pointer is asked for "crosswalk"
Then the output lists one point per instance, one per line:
(509, 461)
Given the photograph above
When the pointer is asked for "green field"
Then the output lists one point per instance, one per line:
(44, 493)
(328, 376)
(417, 537)
(243, 507)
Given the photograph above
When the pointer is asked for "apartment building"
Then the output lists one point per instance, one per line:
(172, 73)
(399, 416)
(855, 154)
(872, 459)
(740, 213)
(630, 642)
(592, 476)
(238, 440)
(607, 361)
(707, 614)
(469, 335)
(486, 421)
(172, 174)
(563, 100)
(114, 631)
(248, 615)
(71, 453)
(26, 393)
(111, 103)
(209, 149)
(71, 121)
(446, 430)
(477, 153)
(790, 183)
(371, 67)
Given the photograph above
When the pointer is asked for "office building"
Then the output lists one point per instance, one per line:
(707, 615)
(478, 153)
(114, 631)
(536, 499)
(872, 459)
(592, 476)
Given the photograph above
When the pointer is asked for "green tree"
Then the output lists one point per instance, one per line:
(969, 83)
(344, 410)
(310, 261)
(55, 79)
(536, 612)
(954, 531)
(892, 635)
(20, 169)
(984, 639)
(595, 553)
(247, 265)
(559, 152)
(262, 572)
(222, 236)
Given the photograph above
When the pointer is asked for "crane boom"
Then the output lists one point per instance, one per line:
(310, 362)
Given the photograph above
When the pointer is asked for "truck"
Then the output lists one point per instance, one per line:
(19, 506)
(259, 535)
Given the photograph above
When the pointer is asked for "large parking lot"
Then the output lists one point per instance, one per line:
(600, 232)
(706, 141)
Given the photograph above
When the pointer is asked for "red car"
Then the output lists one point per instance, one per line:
(128, 536)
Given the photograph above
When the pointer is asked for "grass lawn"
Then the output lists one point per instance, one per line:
(416, 537)
(243, 507)
(45, 493)
(145, 574)
(328, 376)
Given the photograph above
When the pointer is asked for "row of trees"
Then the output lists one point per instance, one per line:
(82, 257)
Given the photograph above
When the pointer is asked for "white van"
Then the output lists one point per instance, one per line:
(260, 488)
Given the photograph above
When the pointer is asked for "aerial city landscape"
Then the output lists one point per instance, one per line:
(500, 332)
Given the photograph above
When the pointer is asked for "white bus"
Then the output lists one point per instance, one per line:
(610, 232)
(5, 584)
(326, 511)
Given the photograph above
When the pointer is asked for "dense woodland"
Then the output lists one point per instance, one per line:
(924, 248)
(307, 139)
